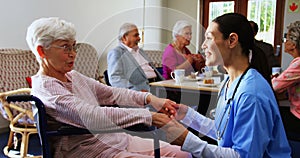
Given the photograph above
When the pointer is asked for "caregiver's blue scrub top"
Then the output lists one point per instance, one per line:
(254, 127)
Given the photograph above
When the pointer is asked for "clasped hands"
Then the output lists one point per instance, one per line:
(166, 119)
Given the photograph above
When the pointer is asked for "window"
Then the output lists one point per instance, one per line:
(264, 12)
(218, 8)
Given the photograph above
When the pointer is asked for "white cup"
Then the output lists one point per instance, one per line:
(207, 71)
(178, 75)
(276, 70)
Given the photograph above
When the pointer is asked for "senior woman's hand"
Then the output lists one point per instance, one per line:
(175, 131)
(165, 106)
(189, 58)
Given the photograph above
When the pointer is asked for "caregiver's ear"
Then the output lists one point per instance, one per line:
(233, 39)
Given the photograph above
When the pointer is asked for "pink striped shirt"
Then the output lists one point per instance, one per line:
(78, 103)
(290, 80)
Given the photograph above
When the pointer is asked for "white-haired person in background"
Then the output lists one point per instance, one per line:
(77, 100)
(289, 80)
(127, 64)
(177, 56)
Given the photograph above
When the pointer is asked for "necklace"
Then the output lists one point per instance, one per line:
(228, 105)
(180, 51)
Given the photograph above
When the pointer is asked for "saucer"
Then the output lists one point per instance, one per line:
(208, 85)
(187, 78)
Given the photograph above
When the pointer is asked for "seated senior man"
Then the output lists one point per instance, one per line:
(128, 65)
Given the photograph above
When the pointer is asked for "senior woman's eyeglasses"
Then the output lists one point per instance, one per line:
(284, 38)
(290, 38)
(67, 48)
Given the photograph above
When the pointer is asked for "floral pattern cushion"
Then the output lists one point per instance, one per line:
(155, 56)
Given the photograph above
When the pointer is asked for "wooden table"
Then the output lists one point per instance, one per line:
(201, 98)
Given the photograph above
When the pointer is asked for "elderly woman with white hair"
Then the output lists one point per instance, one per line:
(177, 56)
(77, 100)
(289, 80)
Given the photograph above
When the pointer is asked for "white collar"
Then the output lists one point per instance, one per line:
(130, 49)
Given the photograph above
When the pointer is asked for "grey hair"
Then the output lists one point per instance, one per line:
(125, 28)
(294, 32)
(178, 28)
(44, 31)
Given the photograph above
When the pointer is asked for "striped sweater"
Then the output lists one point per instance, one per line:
(78, 103)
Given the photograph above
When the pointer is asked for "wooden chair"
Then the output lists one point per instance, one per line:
(44, 133)
(16, 65)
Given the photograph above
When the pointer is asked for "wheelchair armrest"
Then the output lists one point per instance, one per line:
(72, 130)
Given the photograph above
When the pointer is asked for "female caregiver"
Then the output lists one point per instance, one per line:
(247, 120)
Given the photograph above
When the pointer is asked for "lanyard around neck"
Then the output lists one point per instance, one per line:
(237, 85)
(219, 133)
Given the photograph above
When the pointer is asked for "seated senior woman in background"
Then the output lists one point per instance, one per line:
(247, 121)
(75, 99)
(289, 80)
(177, 56)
